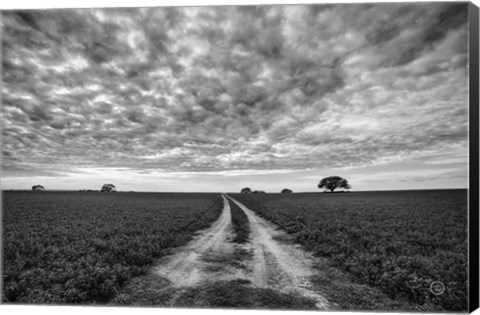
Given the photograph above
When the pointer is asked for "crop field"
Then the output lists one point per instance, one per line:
(365, 250)
(73, 247)
(398, 242)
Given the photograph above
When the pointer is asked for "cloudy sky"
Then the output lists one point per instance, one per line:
(219, 98)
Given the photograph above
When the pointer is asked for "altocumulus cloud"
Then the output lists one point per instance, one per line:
(215, 89)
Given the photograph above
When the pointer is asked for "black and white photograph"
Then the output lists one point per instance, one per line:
(311, 156)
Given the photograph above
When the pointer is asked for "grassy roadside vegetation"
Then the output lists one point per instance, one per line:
(81, 248)
(393, 243)
(240, 294)
(240, 223)
(152, 291)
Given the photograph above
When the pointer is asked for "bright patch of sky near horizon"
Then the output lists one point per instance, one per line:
(219, 98)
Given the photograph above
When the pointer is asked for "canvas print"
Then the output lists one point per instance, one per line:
(294, 157)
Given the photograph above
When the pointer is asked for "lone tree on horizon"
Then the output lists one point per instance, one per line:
(38, 188)
(108, 188)
(246, 190)
(333, 182)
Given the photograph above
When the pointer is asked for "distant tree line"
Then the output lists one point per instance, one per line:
(247, 190)
(330, 183)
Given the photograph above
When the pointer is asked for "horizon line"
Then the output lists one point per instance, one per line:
(223, 192)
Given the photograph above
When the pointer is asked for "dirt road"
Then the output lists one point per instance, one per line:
(276, 264)
(265, 264)
(195, 262)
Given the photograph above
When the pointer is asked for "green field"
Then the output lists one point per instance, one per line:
(82, 247)
(382, 250)
(398, 242)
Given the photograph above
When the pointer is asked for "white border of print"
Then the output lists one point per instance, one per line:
(95, 310)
